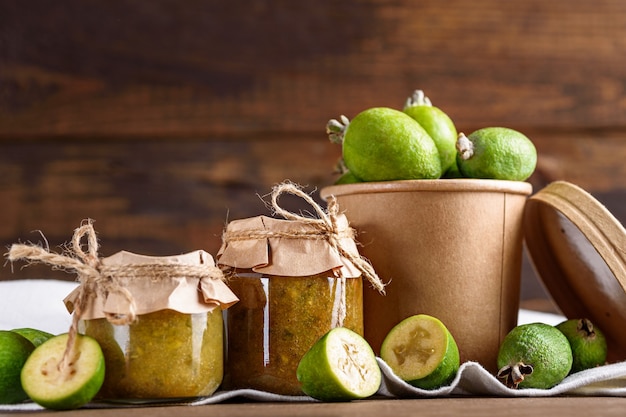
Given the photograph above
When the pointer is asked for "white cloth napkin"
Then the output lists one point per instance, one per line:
(38, 304)
(35, 303)
(473, 379)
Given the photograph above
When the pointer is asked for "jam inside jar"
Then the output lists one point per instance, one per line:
(163, 354)
(278, 319)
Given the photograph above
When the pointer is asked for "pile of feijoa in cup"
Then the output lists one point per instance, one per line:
(420, 141)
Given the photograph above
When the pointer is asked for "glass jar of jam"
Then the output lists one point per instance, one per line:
(173, 347)
(278, 319)
(296, 279)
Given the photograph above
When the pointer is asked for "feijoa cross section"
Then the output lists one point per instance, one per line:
(421, 351)
(340, 366)
(61, 382)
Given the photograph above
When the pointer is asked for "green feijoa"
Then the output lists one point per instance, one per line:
(496, 153)
(340, 366)
(589, 347)
(439, 127)
(384, 144)
(14, 352)
(421, 351)
(534, 355)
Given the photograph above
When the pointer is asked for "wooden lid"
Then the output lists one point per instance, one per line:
(578, 249)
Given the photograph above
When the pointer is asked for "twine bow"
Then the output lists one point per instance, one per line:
(325, 227)
(92, 277)
(87, 266)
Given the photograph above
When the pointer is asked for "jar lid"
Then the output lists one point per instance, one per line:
(578, 248)
(189, 283)
(288, 248)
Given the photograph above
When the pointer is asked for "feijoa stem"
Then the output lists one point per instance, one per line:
(417, 99)
(340, 167)
(464, 147)
(513, 375)
(586, 327)
(336, 129)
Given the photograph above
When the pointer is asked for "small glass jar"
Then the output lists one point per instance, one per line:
(278, 319)
(173, 346)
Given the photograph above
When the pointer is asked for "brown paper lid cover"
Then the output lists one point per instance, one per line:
(183, 293)
(276, 249)
(578, 249)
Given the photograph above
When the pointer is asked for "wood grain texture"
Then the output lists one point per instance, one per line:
(162, 198)
(152, 197)
(572, 406)
(161, 120)
(162, 68)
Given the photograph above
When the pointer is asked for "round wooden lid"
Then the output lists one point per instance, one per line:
(578, 248)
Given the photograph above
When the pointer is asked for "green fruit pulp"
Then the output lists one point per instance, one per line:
(542, 348)
(421, 351)
(383, 144)
(63, 388)
(499, 153)
(445, 372)
(340, 366)
(14, 351)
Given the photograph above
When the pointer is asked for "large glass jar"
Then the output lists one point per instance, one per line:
(278, 319)
(296, 279)
(173, 346)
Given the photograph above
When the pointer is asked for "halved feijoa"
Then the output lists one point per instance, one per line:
(421, 351)
(62, 384)
(340, 366)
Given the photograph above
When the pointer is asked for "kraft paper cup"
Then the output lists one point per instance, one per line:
(448, 248)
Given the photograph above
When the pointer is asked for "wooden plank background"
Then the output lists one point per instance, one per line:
(162, 120)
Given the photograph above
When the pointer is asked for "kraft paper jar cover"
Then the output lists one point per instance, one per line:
(187, 293)
(263, 247)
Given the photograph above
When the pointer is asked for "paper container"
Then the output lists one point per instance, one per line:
(448, 248)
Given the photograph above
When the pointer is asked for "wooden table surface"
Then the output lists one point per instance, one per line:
(467, 406)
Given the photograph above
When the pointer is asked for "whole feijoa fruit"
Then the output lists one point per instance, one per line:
(14, 351)
(347, 178)
(438, 125)
(534, 355)
(384, 144)
(35, 336)
(589, 347)
(496, 153)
